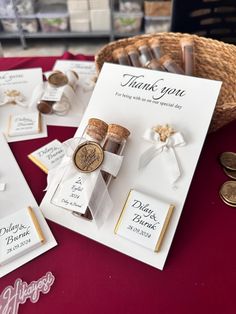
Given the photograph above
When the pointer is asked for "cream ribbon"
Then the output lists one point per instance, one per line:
(175, 140)
(13, 97)
(95, 193)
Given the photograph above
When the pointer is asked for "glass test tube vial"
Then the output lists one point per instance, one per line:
(156, 49)
(154, 64)
(114, 143)
(121, 56)
(169, 64)
(187, 47)
(133, 55)
(95, 131)
(145, 52)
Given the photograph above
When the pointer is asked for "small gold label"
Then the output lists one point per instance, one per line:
(88, 156)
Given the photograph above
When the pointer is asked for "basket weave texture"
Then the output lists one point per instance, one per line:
(213, 60)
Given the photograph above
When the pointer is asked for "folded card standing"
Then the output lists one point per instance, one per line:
(168, 116)
(18, 101)
(24, 233)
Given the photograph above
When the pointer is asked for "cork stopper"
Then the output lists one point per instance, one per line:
(118, 53)
(97, 129)
(186, 41)
(170, 65)
(131, 49)
(165, 60)
(154, 42)
(154, 65)
(118, 131)
(141, 43)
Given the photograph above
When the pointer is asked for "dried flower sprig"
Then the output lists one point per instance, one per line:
(164, 131)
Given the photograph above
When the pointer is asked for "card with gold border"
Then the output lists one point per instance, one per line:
(144, 220)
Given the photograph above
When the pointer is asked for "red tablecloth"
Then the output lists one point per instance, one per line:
(200, 272)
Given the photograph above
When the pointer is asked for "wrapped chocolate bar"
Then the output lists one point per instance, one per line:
(83, 188)
(19, 234)
(144, 220)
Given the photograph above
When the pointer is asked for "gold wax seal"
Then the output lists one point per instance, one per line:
(230, 173)
(58, 79)
(228, 160)
(228, 192)
(88, 156)
(227, 203)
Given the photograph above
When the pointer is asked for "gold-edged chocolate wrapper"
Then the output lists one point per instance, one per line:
(164, 226)
(88, 156)
(36, 224)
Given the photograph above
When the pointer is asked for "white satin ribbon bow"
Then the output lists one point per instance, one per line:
(14, 97)
(95, 192)
(158, 147)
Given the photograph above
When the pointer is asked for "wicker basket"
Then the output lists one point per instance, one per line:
(214, 60)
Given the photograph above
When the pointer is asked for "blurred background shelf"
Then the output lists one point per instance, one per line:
(110, 19)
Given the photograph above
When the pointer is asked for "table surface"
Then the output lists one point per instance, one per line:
(200, 272)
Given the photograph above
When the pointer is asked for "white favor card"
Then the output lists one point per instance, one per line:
(18, 96)
(16, 197)
(140, 99)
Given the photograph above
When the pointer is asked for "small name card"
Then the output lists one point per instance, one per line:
(144, 220)
(53, 93)
(19, 234)
(70, 194)
(48, 156)
(24, 124)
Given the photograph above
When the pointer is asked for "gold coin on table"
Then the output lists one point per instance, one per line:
(228, 160)
(228, 191)
(230, 173)
(227, 203)
(88, 156)
(58, 79)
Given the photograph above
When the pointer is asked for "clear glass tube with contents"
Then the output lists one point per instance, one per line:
(114, 143)
(169, 64)
(187, 47)
(95, 131)
(156, 49)
(133, 55)
(145, 52)
(86, 153)
(154, 64)
(120, 56)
